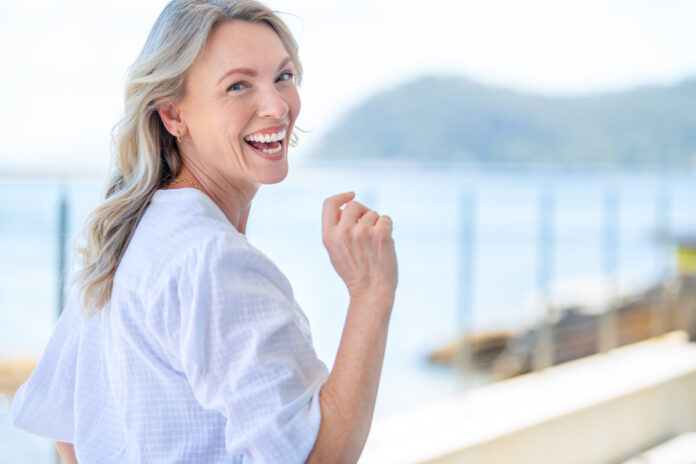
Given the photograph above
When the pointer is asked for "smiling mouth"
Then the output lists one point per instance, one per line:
(268, 143)
(270, 147)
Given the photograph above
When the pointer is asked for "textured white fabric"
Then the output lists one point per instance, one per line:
(201, 356)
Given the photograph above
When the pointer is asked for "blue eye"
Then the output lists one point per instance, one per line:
(286, 76)
(235, 87)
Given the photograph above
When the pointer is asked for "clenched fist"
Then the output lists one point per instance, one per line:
(361, 248)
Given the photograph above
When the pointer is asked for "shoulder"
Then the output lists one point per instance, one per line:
(184, 243)
(177, 220)
(177, 226)
(226, 260)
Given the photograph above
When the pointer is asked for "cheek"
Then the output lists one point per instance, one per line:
(233, 121)
(202, 122)
(294, 104)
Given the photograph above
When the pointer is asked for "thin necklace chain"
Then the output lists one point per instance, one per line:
(187, 181)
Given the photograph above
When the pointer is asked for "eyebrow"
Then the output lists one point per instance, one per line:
(249, 71)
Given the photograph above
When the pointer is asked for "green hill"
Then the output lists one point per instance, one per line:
(453, 119)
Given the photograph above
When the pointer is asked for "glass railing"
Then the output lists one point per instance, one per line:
(501, 271)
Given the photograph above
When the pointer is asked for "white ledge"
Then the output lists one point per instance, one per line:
(601, 408)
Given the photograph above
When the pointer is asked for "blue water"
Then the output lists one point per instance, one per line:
(426, 206)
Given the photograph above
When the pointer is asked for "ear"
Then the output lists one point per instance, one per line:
(170, 114)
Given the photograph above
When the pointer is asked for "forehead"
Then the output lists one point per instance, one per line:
(242, 44)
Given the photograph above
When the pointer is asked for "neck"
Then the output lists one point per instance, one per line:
(233, 198)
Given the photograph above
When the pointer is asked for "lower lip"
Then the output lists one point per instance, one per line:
(270, 156)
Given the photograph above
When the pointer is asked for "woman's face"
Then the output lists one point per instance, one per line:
(240, 105)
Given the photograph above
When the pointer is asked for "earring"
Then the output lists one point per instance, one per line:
(178, 137)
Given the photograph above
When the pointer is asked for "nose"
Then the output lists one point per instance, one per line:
(272, 104)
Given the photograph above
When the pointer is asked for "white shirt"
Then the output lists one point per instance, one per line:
(202, 354)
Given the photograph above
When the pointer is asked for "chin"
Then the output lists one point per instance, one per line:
(274, 175)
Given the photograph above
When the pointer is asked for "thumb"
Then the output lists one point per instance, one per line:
(332, 205)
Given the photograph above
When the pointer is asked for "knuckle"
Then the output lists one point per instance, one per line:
(356, 205)
(384, 235)
(356, 232)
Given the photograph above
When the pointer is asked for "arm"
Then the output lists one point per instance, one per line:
(362, 252)
(67, 452)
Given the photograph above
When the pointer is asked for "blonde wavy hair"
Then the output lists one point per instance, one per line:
(146, 156)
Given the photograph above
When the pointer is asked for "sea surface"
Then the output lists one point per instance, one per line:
(589, 221)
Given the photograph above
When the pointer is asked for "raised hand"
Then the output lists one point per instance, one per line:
(360, 246)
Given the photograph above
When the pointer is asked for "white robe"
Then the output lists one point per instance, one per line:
(201, 355)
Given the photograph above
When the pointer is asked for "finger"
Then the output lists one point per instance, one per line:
(369, 218)
(331, 212)
(352, 212)
(385, 222)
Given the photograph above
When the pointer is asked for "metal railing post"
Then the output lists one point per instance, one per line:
(543, 352)
(62, 246)
(662, 212)
(608, 336)
(62, 270)
(467, 237)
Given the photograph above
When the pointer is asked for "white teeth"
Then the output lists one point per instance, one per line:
(268, 138)
(272, 151)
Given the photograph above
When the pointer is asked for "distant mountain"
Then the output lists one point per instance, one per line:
(453, 119)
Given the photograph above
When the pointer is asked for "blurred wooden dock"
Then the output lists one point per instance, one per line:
(577, 332)
(13, 373)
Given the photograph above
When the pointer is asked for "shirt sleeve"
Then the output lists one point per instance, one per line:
(245, 353)
(43, 405)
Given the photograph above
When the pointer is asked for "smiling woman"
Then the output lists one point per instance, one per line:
(181, 342)
(233, 104)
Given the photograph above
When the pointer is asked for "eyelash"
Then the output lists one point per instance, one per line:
(288, 73)
(230, 89)
(290, 76)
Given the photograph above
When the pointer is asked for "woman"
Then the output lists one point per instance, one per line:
(182, 342)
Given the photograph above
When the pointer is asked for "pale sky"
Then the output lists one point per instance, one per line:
(64, 63)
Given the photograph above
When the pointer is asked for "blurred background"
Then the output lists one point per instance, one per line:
(538, 160)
